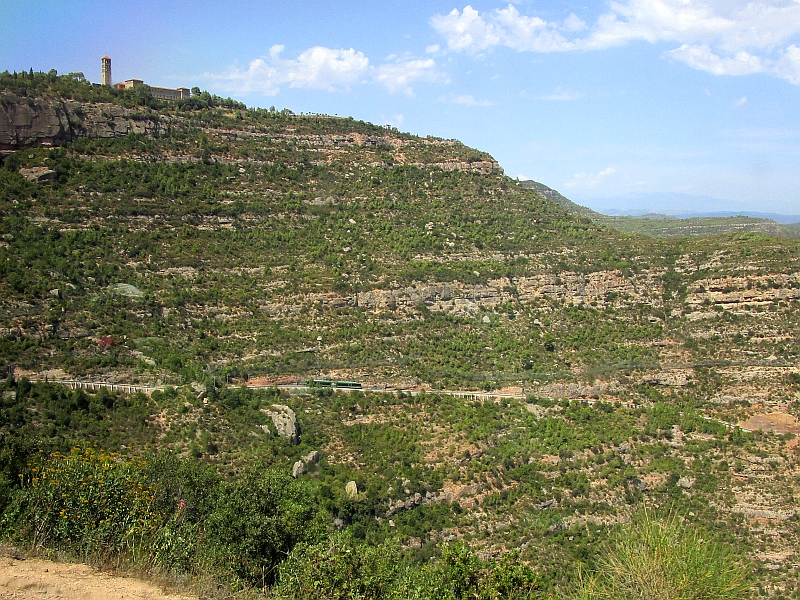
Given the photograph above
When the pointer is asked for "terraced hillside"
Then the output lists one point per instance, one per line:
(201, 245)
(269, 244)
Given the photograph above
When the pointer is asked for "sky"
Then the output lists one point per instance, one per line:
(683, 101)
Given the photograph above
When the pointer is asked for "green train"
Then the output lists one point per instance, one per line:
(329, 383)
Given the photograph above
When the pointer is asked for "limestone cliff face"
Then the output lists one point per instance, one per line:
(47, 121)
(467, 300)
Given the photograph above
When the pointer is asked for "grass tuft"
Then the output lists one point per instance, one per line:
(664, 559)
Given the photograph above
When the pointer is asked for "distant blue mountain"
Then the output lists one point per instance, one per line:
(682, 206)
(778, 218)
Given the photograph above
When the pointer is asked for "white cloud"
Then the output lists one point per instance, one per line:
(788, 66)
(467, 30)
(589, 181)
(704, 59)
(326, 69)
(608, 171)
(316, 68)
(399, 74)
(724, 37)
(468, 100)
(741, 101)
(573, 23)
(432, 49)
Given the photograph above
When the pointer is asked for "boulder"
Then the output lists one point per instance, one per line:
(548, 504)
(311, 458)
(686, 482)
(285, 422)
(298, 469)
(38, 174)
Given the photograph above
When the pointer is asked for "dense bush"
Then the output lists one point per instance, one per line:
(258, 519)
(177, 515)
(665, 559)
(341, 568)
(86, 501)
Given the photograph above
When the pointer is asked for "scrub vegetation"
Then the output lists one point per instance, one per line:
(632, 400)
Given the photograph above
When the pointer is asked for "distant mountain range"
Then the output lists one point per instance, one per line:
(682, 206)
(651, 218)
(778, 218)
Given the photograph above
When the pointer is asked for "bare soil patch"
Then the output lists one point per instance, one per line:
(775, 422)
(32, 578)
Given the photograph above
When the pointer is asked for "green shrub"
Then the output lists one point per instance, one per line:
(174, 514)
(86, 501)
(339, 568)
(185, 493)
(664, 559)
(342, 568)
(256, 522)
(507, 577)
(459, 570)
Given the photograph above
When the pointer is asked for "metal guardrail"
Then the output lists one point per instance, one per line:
(96, 385)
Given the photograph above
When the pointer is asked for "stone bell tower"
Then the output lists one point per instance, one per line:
(105, 68)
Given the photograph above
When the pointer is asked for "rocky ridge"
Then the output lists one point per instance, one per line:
(48, 121)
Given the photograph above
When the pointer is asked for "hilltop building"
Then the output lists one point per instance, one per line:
(162, 93)
(105, 69)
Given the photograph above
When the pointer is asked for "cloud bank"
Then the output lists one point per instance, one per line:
(723, 37)
(324, 68)
(589, 181)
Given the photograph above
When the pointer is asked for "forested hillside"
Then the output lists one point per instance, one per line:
(199, 247)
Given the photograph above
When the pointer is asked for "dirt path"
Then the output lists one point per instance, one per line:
(29, 579)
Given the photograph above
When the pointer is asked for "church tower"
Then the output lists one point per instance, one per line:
(105, 68)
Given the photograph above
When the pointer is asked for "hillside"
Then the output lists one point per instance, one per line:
(241, 237)
(201, 246)
(659, 225)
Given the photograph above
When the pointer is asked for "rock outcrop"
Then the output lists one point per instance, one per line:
(48, 121)
(285, 421)
(600, 288)
(311, 458)
(301, 466)
(38, 174)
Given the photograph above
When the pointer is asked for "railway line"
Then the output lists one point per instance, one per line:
(309, 387)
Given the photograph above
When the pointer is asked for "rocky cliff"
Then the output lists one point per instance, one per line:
(46, 121)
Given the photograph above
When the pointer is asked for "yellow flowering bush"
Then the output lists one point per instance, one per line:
(84, 500)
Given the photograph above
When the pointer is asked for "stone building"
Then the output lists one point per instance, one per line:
(162, 93)
(105, 70)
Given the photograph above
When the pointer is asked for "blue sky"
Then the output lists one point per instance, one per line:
(603, 101)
